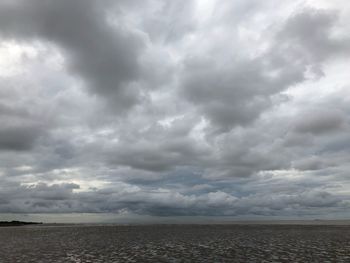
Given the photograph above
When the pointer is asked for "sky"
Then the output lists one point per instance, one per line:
(174, 109)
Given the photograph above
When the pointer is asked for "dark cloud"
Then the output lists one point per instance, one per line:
(104, 55)
(320, 121)
(18, 138)
(228, 95)
(155, 150)
(312, 163)
(61, 198)
(20, 129)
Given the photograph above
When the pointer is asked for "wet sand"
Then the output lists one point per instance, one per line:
(175, 243)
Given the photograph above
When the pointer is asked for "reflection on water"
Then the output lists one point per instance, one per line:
(176, 243)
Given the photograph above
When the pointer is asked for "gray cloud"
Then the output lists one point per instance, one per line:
(163, 109)
(168, 21)
(232, 91)
(311, 34)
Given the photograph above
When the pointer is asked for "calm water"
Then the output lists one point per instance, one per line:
(178, 243)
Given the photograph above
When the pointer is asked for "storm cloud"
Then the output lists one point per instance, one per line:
(164, 108)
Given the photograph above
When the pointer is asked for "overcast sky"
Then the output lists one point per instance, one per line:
(165, 108)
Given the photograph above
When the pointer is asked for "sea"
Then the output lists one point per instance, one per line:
(239, 242)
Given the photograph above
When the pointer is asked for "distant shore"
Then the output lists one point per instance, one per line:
(17, 223)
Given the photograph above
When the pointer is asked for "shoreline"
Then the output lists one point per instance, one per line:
(17, 223)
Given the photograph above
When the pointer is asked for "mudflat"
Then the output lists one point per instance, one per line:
(175, 243)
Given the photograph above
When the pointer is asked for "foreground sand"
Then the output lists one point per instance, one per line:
(176, 243)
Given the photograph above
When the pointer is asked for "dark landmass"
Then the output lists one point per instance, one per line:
(17, 223)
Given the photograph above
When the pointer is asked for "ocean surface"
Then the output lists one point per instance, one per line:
(175, 243)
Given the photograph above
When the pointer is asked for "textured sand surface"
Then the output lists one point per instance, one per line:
(176, 243)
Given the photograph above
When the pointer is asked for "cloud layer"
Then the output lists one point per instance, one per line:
(193, 108)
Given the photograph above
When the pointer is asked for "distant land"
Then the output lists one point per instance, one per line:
(17, 223)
